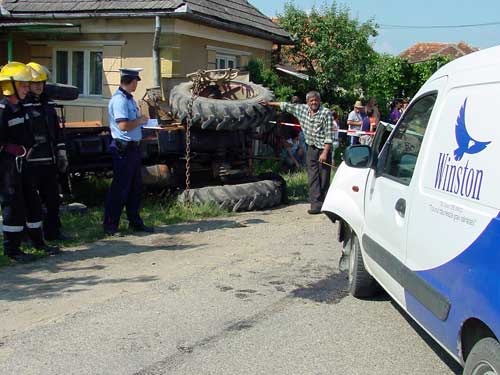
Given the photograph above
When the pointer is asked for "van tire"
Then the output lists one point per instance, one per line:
(361, 283)
(484, 358)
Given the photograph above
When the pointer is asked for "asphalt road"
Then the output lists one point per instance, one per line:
(256, 293)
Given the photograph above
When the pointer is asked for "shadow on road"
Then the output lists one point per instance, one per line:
(24, 282)
(330, 290)
(208, 225)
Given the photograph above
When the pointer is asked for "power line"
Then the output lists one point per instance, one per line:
(387, 26)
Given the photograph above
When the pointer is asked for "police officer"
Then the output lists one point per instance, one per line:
(48, 155)
(126, 187)
(18, 195)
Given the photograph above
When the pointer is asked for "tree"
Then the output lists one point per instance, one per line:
(267, 77)
(332, 47)
(390, 77)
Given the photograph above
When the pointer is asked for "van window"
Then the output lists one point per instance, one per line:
(405, 144)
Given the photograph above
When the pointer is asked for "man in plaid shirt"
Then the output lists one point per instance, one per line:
(317, 124)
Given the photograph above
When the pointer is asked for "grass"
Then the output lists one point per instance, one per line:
(85, 228)
(296, 184)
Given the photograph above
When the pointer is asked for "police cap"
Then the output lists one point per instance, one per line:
(131, 72)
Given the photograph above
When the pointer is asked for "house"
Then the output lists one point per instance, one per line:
(85, 42)
(421, 52)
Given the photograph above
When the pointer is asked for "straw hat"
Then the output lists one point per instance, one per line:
(358, 104)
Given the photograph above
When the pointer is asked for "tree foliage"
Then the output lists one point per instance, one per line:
(268, 77)
(335, 50)
(390, 77)
(331, 46)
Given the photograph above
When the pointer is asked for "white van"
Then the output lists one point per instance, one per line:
(419, 210)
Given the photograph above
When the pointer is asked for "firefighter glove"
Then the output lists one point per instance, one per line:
(62, 161)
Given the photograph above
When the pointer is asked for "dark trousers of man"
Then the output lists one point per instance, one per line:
(20, 206)
(46, 177)
(126, 188)
(318, 176)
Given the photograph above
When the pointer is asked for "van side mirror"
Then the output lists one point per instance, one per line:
(358, 156)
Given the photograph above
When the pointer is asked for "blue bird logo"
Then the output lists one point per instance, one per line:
(466, 144)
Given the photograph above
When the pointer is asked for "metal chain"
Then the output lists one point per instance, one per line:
(195, 92)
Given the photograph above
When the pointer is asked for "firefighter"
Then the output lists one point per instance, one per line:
(48, 155)
(18, 195)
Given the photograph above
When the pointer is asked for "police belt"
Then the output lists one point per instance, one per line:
(123, 145)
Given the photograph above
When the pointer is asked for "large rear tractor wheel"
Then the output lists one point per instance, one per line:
(231, 106)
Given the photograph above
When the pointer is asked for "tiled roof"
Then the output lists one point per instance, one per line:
(424, 51)
(237, 15)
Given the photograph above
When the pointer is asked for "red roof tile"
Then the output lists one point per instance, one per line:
(425, 51)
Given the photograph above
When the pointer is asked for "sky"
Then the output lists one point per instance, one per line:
(415, 13)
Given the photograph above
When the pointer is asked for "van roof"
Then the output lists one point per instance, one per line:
(483, 58)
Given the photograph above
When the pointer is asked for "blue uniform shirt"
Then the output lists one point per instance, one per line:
(122, 107)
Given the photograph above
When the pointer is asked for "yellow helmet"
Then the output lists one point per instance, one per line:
(40, 72)
(14, 71)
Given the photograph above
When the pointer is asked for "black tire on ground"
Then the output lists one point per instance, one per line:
(484, 358)
(278, 178)
(225, 114)
(361, 283)
(243, 197)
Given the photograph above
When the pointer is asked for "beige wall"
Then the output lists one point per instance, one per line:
(128, 43)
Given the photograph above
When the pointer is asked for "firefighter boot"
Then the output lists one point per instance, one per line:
(36, 236)
(11, 246)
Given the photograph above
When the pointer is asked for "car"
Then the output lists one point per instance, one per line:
(419, 211)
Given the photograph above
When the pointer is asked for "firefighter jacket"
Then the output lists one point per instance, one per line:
(46, 131)
(15, 127)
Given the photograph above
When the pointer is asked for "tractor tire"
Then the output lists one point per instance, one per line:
(240, 110)
(243, 197)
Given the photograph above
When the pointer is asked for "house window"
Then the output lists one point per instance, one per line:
(225, 62)
(81, 68)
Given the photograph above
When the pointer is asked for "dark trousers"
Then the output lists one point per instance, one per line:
(20, 205)
(126, 187)
(318, 176)
(46, 179)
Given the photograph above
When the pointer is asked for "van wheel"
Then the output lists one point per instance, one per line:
(361, 283)
(484, 358)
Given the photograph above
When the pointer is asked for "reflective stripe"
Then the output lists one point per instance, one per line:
(16, 121)
(61, 144)
(12, 228)
(52, 103)
(39, 159)
(36, 225)
(2, 106)
(28, 105)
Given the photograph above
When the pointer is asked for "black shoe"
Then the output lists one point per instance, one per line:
(21, 257)
(112, 233)
(50, 250)
(314, 211)
(141, 228)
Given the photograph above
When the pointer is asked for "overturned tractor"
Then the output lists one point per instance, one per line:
(204, 142)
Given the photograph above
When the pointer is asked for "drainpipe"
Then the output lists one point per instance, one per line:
(10, 47)
(156, 53)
